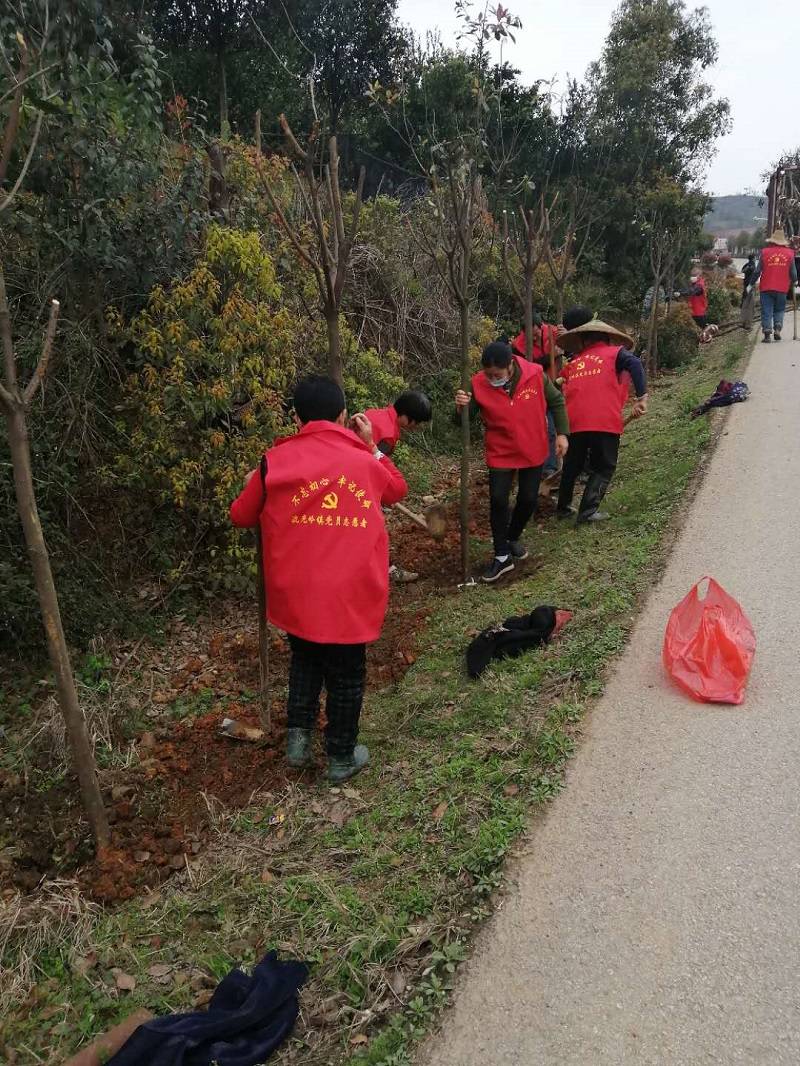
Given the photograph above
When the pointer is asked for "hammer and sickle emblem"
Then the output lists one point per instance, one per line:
(330, 502)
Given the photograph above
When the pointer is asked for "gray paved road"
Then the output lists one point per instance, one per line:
(655, 917)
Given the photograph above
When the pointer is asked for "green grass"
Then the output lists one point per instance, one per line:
(384, 906)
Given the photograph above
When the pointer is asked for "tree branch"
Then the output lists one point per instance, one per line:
(37, 130)
(8, 340)
(44, 358)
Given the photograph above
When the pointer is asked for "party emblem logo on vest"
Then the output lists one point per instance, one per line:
(530, 392)
(307, 497)
(586, 366)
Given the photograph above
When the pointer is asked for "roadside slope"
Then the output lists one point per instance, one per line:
(655, 916)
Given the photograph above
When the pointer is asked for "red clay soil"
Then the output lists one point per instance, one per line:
(159, 807)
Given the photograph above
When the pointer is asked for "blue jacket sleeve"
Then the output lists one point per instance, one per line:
(633, 364)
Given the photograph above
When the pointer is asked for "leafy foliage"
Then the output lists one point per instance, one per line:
(216, 353)
(677, 337)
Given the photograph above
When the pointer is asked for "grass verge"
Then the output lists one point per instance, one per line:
(380, 885)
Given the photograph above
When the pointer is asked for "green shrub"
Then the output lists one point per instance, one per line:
(719, 303)
(677, 338)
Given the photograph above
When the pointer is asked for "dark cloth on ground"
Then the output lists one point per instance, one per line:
(341, 668)
(726, 393)
(601, 450)
(247, 1019)
(511, 639)
(500, 484)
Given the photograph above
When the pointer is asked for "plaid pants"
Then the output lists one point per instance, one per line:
(341, 668)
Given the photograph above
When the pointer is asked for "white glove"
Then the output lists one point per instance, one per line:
(748, 290)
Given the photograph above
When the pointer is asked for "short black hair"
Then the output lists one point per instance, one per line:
(576, 316)
(415, 405)
(318, 399)
(498, 353)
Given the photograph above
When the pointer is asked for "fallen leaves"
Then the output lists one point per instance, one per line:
(124, 981)
(440, 811)
(339, 813)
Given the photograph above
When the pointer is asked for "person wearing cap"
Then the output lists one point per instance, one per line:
(513, 397)
(595, 384)
(776, 274)
(697, 297)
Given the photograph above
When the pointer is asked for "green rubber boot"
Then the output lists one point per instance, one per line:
(298, 747)
(343, 767)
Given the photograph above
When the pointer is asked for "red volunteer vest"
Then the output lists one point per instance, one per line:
(776, 262)
(698, 305)
(384, 425)
(541, 351)
(326, 552)
(515, 426)
(594, 394)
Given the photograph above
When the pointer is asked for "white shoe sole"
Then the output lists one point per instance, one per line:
(507, 568)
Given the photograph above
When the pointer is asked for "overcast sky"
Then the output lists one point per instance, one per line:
(758, 69)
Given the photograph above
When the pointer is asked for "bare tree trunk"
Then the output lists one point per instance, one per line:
(219, 197)
(334, 346)
(79, 743)
(264, 713)
(560, 304)
(224, 125)
(465, 443)
(528, 316)
(258, 131)
(652, 333)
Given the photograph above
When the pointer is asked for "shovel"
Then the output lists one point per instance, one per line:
(434, 520)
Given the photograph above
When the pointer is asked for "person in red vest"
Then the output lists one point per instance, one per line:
(545, 340)
(544, 335)
(776, 274)
(595, 383)
(697, 298)
(409, 412)
(318, 499)
(513, 397)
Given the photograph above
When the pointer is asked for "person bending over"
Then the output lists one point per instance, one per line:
(317, 498)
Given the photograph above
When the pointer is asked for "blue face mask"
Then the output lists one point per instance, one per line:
(498, 383)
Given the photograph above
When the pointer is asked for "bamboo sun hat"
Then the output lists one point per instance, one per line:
(594, 325)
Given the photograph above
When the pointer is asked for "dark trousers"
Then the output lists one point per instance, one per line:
(601, 450)
(500, 482)
(341, 668)
(700, 320)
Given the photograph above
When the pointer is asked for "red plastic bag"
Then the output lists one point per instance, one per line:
(709, 645)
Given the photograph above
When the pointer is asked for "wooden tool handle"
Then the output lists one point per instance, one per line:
(410, 514)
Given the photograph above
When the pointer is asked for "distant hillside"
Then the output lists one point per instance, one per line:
(731, 214)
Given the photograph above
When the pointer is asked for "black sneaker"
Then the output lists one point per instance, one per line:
(497, 569)
(566, 512)
(767, 338)
(518, 550)
(777, 335)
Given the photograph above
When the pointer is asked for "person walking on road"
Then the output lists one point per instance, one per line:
(776, 274)
(746, 306)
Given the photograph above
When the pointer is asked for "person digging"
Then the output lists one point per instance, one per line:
(596, 382)
(409, 412)
(326, 563)
(513, 397)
